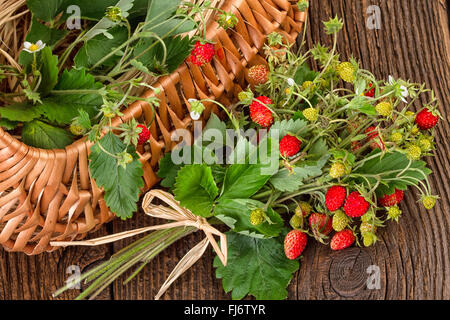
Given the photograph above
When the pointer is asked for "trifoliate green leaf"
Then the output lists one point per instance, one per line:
(62, 108)
(289, 126)
(394, 170)
(243, 181)
(285, 181)
(235, 213)
(49, 71)
(99, 46)
(19, 112)
(42, 135)
(257, 267)
(168, 171)
(122, 185)
(8, 124)
(195, 189)
(46, 10)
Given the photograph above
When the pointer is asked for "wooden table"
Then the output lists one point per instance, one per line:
(413, 255)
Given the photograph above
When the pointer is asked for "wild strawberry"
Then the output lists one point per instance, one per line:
(337, 170)
(367, 227)
(289, 146)
(311, 114)
(342, 240)
(413, 152)
(303, 209)
(307, 85)
(355, 206)
(335, 197)
(256, 217)
(426, 120)
(397, 137)
(258, 74)
(259, 113)
(296, 221)
(144, 135)
(369, 239)
(429, 201)
(294, 244)
(340, 221)
(384, 108)
(373, 135)
(425, 143)
(394, 213)
(202, 53)
(320, 224)
(346, 71)
(390, 200)
(371, 91)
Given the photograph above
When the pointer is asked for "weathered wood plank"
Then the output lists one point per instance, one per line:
(413, 256)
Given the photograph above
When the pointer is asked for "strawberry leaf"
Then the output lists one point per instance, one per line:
(49, 71)
(62, 108)
(285, 181)
(195, 189)
(122, 185)
(257, 267)
(42, 135)
(168, 171)
(22, 112)
(289, 126)
(235, 213)
(394, 170)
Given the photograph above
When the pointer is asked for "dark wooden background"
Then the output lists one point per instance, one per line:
(413, 255)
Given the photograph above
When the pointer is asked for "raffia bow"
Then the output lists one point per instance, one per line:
(181, 217)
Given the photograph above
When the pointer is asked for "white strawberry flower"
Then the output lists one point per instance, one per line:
(197, 108)
(290, 82)
(33, 47)
(403, 90)
(195, 115)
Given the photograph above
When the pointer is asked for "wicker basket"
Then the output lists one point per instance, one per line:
(49, 194)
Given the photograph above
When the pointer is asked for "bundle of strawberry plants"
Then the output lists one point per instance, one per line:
(304, 155)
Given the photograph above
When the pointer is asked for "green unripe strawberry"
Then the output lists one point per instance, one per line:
(296, 221)
(369, 239)
(340, 221)
(337, 170)
(394, 213)
(384, 108)
(257, 217)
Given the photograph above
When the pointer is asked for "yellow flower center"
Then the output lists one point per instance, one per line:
(34, 47)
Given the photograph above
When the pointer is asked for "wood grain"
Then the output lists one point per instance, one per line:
(412, 256)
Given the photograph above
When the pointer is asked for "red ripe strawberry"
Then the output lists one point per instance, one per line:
(390, 200)
(294, 244)
(425, 119)
(320, 224)
(399, 194)
(258, 74)
(202, 53)
(144, 135)
(372, 134)
(355, 206)
(342, 240)
(290, 146)
(260, 113)
(335, 197)
(370, 92)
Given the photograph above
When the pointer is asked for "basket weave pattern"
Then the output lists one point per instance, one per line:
(49, 194)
